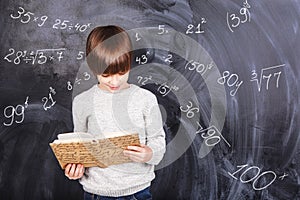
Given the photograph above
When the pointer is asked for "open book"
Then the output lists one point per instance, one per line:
(86, 149)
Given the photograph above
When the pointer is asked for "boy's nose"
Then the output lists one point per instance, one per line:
(114, 79)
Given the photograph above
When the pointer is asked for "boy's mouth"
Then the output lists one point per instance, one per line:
(114, 87)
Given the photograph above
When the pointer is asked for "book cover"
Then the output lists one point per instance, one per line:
(91, 151)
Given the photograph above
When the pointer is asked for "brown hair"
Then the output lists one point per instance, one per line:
(108, 50)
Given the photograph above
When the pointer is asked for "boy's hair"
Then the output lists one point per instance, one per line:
(108, 50)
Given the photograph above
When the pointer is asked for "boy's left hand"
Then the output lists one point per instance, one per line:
(139, 154)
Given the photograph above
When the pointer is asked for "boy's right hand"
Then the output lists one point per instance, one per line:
(74, 171)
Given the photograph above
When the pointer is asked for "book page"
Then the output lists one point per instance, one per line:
(74, 137)
(114, 134)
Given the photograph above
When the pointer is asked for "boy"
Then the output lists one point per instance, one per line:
(115, 105)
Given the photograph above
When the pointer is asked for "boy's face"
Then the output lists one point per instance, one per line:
(114, 82)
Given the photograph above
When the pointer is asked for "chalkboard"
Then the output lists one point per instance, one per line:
(225, 73)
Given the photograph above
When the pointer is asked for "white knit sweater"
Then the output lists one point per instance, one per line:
(130, 110)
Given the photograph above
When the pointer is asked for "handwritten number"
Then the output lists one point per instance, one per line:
(11, 115)
(64, 24)
(245, 12)
(277, 80)
(43, 18)
(168, 59)
(268, 80)
(42, 57)
(234, 17)
(57, 22)
(189, 30)
(28, 17)
(222, 79)
(17, 60)
(188, 107)
(255, 178)
(20, 113)
(162, 29)
(12, 52)
(19, 12)
(80, 55)
(10, 112)
(87, 76)
(241, 167)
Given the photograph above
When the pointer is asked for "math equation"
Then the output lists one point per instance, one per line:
(40, 56)
(268, 76)
(26, 17)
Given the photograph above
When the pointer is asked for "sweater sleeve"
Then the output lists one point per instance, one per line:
(79, 121)
(155, 135)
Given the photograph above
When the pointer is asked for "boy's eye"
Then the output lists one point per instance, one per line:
(122, 73)
(107, 75)
(104, 75)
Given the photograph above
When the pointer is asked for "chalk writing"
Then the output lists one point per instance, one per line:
(168, 59)
(143, 59)
(39, 56)
(10, 112)
(233, 20)
(26, 102)
(86, 76)
(137, 37)
(52, 90)
(245, 177)
(69, 86)
(80, 55)
(60, 24)
(49, 99)
(66, 24)
(162, 30)
(196, 29)
(190, 110)
(211, 135)
(199, 67)
(26, 16)
(165, 89)
(143, 80)
(232, 81)
(267, 77)
(283, 176)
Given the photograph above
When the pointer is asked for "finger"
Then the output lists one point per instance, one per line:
(81, 169)
(67, 169)
(82, 172)
(135, 148)
(135, 156)
(72, 170)
(132, 153)
(80, 166)
(78, 170)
